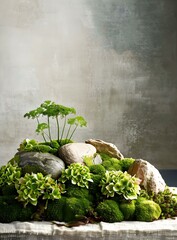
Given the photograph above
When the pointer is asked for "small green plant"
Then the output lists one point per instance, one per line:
(9, 174)
(51, 110)
(121, 183)
(33, 186)
(77, 174)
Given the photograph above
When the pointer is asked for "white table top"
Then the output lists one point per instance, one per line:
(160, 229)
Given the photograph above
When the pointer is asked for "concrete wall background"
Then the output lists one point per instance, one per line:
(114, 61)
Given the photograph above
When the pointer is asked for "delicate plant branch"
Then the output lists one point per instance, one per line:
(52, 110)
(48, 121)
(58, 128)
(64, 125)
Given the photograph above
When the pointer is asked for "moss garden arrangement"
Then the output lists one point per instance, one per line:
(83, 193)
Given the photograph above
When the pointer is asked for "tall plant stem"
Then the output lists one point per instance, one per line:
(64, 125)
(42, 132)
(72, 132)
(68, 134)
(49, 128)
(58, 129)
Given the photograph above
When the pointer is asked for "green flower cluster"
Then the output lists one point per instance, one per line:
(33, 186)
(120, 183)
(9, 174)
(77, 174)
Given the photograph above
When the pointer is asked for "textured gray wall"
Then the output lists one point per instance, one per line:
(115, 61)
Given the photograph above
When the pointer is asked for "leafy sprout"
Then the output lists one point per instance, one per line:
(51, 110)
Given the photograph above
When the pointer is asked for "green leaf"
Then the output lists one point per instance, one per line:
(41, 127)
(78, 121)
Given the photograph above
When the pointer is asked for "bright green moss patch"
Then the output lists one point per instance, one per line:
(109, 211)
(128, 209)
(147, 210)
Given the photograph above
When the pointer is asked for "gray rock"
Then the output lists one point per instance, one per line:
(41, 162)
(74, 152)
(105, 147)
(151, 178)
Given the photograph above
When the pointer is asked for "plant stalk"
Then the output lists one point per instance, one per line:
(68, 134)
(49, 128)
(72, 132)
(58, 129)
(63, 129)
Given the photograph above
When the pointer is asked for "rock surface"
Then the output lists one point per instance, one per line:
(151, 178)
(74, 152)
(105, 147)
(41, 162)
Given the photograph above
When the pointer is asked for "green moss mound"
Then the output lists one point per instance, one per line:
(9, 190)
(97, 169)
(78, 192)
(55, 210)
(126, 163)
(110, 163)
(109, 211)
(11, 210)
(147, 210)
(128, 209)
(76, 208)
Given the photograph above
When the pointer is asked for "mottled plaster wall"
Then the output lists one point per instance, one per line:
(114, 61)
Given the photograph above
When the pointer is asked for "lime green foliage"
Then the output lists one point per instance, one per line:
(110, 163)
(9, 174)
(32, 186)
(128, 209)
(77, 174)
(97, 169)
(59, 113)
(55, 210)
(109, 211)
(12, 210)
(147, 210)
(126, 163)
(76, 208)
(120, 183)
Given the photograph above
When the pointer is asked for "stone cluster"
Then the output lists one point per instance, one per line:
(150, 177)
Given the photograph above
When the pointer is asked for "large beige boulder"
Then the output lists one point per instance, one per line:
(151, 178)
(105, 147)
(75, 152)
